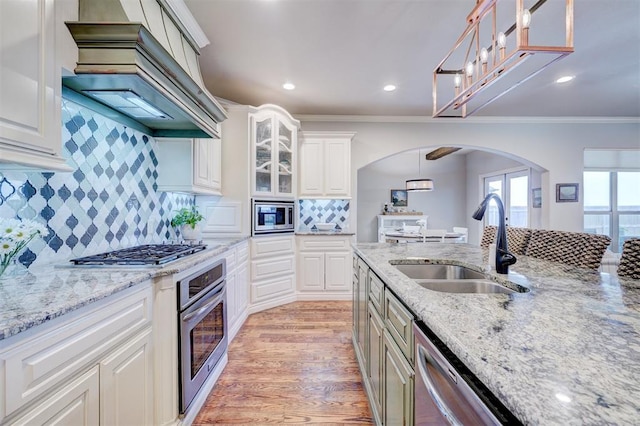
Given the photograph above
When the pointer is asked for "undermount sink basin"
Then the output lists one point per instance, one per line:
(439, 272)
(455, 279)
(465, 286)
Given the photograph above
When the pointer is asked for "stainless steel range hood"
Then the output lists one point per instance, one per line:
(136, 58)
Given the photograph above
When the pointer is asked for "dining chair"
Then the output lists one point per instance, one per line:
(433, 235)
(463, 231)
(629, 266)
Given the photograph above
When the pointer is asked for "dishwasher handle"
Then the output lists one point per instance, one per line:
(424, 357)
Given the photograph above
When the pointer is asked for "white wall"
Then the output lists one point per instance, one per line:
(66, 48)
(552, 145)
(482, 163)
(445, 206)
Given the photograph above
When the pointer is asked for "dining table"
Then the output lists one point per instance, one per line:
(404, 236)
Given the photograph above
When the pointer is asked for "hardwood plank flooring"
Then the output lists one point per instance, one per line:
(293, 364)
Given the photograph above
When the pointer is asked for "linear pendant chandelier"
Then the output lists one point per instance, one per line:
(494, 55)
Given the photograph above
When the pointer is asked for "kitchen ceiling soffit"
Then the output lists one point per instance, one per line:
(138, 64)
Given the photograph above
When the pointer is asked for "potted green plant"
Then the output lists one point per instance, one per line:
(188, 220)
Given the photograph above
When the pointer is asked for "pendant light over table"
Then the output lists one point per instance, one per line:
(421, 184)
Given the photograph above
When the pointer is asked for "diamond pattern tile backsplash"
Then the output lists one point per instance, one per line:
(110, 200)
(330, 211)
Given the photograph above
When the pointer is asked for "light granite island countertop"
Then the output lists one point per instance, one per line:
(565, 353)
(49, 292)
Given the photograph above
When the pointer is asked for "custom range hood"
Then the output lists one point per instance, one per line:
(138, 65)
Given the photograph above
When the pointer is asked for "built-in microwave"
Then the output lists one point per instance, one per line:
(271, 217)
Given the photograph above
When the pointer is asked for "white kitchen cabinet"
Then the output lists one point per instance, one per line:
(274, 141)
(190, 165)
(248, 164)
(273, 271)
(324, 267)
(325, 165)
(126, 383)
(237, 287)
(76, 404)
(30, 86)
(311, 271)
(98, 356)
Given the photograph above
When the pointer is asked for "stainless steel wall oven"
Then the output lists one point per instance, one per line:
(202, 325)
(269, 217)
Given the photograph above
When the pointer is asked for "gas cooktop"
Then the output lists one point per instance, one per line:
(150, 254)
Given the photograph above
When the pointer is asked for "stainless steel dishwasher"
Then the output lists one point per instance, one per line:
(447, 393)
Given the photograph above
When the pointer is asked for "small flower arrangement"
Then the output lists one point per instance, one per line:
(14, 236)
(187, 216)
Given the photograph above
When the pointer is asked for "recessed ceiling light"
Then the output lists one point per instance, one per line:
(389, 88)
(565, 79)
(288, 86)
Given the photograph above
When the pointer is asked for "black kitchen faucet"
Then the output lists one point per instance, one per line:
(503, 257)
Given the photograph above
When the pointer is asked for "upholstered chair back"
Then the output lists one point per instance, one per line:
(571, 248)
(629, 266)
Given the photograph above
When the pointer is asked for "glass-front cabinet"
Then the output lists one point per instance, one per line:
(274, 136)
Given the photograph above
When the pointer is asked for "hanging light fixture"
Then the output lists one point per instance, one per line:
(419, 185)
(481, 55)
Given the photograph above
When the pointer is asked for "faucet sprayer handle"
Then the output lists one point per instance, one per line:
(506, 258)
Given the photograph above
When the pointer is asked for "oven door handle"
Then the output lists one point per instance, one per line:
(423, 357)
(205, 308)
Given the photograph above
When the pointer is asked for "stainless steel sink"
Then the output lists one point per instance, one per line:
(465, 286)
(439, 272)
(455, 279)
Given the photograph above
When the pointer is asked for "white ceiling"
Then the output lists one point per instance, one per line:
(340, 53)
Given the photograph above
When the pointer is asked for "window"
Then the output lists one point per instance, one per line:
(612, 205)
(514, 196)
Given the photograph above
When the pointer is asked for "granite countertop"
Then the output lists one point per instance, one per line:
(45, 293)
(567, 352)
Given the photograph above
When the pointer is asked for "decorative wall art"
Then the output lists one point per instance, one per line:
(567, 192)
(536, 198)
(399, 197)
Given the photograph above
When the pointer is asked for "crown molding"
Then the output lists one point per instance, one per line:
(185, 16)
(468, 120)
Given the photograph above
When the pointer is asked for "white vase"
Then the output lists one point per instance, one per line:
(189, 233)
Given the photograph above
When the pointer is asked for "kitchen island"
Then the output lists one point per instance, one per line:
(566, 352)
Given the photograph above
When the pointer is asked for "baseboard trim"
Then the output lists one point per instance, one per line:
(233, 331)
(320, 296)
(272, 303)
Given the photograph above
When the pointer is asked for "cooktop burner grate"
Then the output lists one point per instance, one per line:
(150, 254)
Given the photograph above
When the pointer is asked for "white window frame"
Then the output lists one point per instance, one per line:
(613, 212)
(506, 174)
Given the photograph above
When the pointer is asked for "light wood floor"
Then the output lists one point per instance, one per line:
(293, 364)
